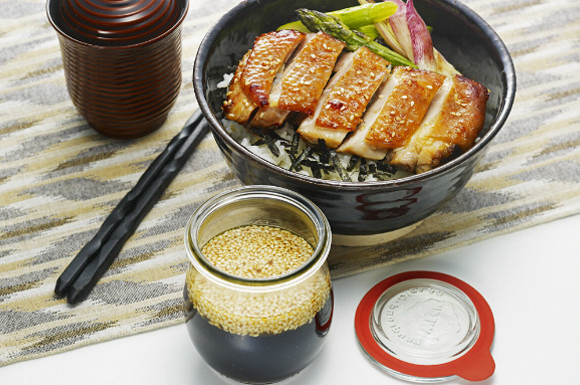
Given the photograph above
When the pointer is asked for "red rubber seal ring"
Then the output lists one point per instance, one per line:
(476, 364)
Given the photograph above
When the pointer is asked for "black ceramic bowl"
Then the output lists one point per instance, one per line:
(361, 208)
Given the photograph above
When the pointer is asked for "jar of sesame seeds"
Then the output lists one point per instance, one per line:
(258, 296)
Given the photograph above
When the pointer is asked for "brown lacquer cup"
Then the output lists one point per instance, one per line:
(121, 59)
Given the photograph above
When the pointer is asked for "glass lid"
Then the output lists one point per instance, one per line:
(427, 327)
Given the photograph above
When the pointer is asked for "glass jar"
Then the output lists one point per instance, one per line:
(258, 329)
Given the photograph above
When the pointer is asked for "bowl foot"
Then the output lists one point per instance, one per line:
(373, 239)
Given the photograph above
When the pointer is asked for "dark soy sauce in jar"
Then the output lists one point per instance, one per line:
(260, 359)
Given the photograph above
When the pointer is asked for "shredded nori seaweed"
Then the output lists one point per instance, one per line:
(301, 158)
(372, 168)
(269, 139)
(362, 170)
(324, 153)
(315, 164)
(352, 163)
(273, 148)
(339, 167)
(260, 142)
(320, 159)
(385, 167)
(294, 145)
(382, 176)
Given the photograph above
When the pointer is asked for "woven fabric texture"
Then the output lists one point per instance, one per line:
(59, 179)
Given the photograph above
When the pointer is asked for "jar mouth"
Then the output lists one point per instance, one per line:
(244, 196)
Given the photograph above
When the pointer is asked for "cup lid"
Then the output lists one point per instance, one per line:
(425, 326)
(115, 22)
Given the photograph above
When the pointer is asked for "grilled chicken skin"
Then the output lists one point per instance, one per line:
(345, 98)
(395, 114)
(308, 129)
(238, 106)
(458, 124)
(269, 53)
(309, 73)
(454, 119)
(348, 100)
(355, 143)
(302, 81)
(405, 107)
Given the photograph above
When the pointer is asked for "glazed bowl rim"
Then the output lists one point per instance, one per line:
(504, 108)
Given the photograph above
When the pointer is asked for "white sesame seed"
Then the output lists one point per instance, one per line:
(253, 314)
(287, 249)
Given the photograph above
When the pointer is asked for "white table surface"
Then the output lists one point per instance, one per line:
(530, 278)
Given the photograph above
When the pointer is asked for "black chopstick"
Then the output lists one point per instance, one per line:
(88, 266)
(90, 250)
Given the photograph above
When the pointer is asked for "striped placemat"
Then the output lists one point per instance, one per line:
(59, 179)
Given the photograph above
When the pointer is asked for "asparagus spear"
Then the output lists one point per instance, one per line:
(370, 30)
(317, 21)
(355, 17)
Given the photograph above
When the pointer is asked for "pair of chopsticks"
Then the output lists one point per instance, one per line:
(82, 274)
